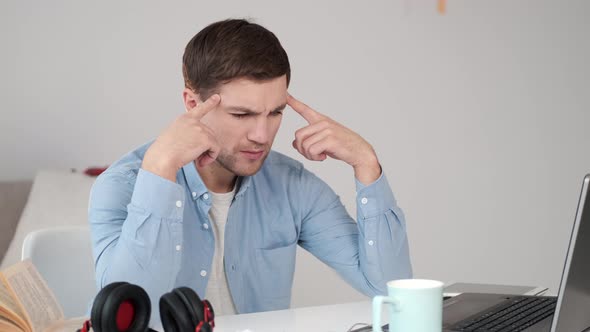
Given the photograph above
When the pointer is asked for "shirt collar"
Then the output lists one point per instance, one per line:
(244, 183)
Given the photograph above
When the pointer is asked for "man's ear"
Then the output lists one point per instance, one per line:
(190, 99)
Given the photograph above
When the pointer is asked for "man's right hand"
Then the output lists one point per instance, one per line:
(185, 140)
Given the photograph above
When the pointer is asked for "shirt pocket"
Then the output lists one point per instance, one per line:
(276, 267)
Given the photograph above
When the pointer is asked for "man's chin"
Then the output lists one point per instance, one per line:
(249, 168)
(248, 171)
(240, 166)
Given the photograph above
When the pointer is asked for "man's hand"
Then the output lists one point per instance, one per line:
(185, 140)
(324, 137)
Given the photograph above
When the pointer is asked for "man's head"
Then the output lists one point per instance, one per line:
(247, 66)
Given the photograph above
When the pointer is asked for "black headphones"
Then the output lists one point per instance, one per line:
(124, 307)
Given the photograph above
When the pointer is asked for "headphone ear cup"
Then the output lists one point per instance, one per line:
(126, 304)
(173, 314)
(98, 304)
(193, 304)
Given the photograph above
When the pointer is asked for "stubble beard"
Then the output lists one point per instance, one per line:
(229, 161)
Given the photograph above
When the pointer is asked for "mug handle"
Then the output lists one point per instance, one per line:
(377, 303)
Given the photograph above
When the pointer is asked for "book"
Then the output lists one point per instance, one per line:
(28, 305)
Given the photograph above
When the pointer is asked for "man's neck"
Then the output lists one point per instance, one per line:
(216, 178)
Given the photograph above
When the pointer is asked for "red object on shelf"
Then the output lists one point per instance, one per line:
(94, 171)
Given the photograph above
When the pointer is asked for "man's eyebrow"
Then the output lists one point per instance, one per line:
(246, 110)
(280, 108)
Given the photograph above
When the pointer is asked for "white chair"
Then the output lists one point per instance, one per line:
(63, 256)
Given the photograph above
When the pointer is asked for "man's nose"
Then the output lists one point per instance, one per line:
(259, 133)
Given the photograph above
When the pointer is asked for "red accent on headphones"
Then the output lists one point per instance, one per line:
(125, 315)
(86, 326)
(209, 316)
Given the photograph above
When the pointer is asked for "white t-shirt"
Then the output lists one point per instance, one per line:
(217, 291)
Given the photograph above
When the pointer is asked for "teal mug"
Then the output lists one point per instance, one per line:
(415, 306)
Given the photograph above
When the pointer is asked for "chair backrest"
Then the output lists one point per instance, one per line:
(63, 256)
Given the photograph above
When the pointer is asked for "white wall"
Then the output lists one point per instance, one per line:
(479, 116)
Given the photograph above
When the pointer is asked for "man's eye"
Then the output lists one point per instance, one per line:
(239, 116)
(277, 113)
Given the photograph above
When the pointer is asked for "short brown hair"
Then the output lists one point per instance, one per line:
(231, 49)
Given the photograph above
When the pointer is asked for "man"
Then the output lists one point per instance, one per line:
(208, 205)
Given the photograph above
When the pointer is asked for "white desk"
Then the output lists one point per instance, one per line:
(327, 318)
(336, 317)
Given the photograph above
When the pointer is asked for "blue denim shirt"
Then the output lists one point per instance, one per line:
(156, 233)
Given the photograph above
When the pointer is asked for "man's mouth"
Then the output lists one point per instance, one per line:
(252, 154)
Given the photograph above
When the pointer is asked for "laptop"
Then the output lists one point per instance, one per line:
(568, 312)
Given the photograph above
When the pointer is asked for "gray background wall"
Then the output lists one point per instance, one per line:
(479, 116)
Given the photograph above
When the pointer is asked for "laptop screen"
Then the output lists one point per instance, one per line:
(574, 290)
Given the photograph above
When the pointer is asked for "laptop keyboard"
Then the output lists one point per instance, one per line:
(516, 314)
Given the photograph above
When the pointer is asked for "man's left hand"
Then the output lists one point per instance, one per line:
(324, 137)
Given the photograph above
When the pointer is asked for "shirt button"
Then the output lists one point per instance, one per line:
(178, 203)
(371, 242)
(233, 267)
(203, 273)
(364, 200)
(205, 226)
(194, 194)
(205, 196)
(178, 247)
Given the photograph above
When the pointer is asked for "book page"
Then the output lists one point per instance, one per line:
(34, 296)
(9, 309)
(8, 326)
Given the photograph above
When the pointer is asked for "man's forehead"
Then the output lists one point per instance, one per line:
(257, 100)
